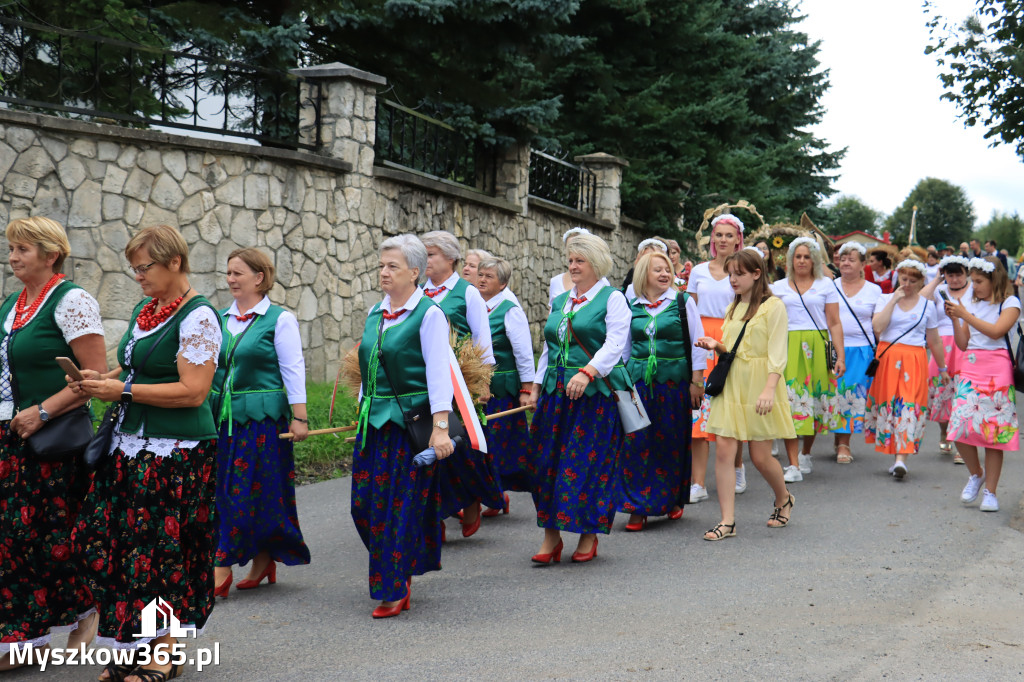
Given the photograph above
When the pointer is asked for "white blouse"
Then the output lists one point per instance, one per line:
(555, 288)
(476, 313)
(698, 355)
(902, 321)
(946, 324)
(714, 296)
(988, 312)
(287, 345)
(517, 328)
(617, 320)
(820, 293)
(863, 304)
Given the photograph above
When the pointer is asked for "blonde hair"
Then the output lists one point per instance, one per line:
(258, 262)
(163, 243)
(815, 251)
(594, 250)
(642, 269)
(46, 235)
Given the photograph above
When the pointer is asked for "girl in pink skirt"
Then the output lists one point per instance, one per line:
(984, 407)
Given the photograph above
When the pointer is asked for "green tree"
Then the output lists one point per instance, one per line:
(944, 214)
(982, 58)
(1006, 229)
(849, 213)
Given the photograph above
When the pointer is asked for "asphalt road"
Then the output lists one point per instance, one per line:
(872, 579)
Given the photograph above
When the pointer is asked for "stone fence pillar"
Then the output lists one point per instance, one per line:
(513, 175)
(348, 112)
(608, 170)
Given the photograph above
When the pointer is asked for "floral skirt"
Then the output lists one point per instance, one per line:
(852, 391)
(396, 509)
(39, 589)
(148, 530)
(575, 461)
(810, 385)
(712, 328)
(508, 442)
(468, 476)
(256, 495)
(654, 463)
(940, 396)
(898, 400)
(984, 409)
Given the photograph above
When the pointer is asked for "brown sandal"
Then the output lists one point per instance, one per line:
(780, 520)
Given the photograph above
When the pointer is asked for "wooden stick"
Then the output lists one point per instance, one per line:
(514, 410)
(319, 432)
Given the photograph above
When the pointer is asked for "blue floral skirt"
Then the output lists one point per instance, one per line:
(852, 392)
(468, 476)
(575, 460)
(256, 495)
(508, 441)
(396, 509)
(654, 463)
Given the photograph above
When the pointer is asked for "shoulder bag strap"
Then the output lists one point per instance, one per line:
(681, 306)
(380, 363)
(227, 362)
(824, 336)
(580, 344)
(855, 318)
(912, 328)
(739, 338)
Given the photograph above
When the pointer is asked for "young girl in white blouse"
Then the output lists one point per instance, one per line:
(984, 413)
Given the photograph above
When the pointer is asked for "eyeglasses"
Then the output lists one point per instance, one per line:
(142, 269)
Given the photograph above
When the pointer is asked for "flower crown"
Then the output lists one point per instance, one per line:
(951, 260)
(574, 230)
(988, 267)
(915, 264)
(853, 246)
(656, 243)
(806, 241)
(728, 218)
(757, 251)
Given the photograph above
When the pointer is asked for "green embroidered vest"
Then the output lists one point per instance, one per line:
(505, 381)
(454, 306)
(182, 423)
(406, 369)
(658, 353)
(564, 350)
(31, 350)
(253, 380)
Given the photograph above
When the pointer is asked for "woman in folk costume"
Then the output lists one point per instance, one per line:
(709, 286)
(561, 283)
(259, 391)
(467, 479)
(985, 411)
(654, 463)
(471, 265)
(877, 270)
(508, 438)
(40, 498)
(952, 283)
(643, 248)
(812, 308)
(404, 368)
(577, 430)
(148, 528)
(753, 405)
(904, 322)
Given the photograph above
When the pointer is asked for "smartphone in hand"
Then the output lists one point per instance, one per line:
(70, 368)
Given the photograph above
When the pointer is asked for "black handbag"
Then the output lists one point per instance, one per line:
(716, 379)
(831, 356)
(1016, 359)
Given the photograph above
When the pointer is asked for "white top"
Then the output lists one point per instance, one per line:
(714, 296)
(930, 272)
(436, 349)
(616, 320)
(555, 288)
(476, 314)
(199, 339)
(630, 293)
(989, 312)
(517, 328)
(946, 324)
(820, 293)
(698, 355)
(287, 344)
(863, 305)
(76, 315)
(901, 321)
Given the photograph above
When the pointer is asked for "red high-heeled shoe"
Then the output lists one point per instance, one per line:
(222, 589)
(270, 573)
(676, 514)
(554, 555)
(637, 527)
(494, 512)
(580, 557)
(469, 528)
(401, 605)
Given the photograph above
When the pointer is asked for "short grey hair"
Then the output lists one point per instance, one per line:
(594, 250)
(445, 242)
(481, 254)
(502, 268)
(413, 250)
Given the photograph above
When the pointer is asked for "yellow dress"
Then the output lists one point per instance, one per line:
(763, 351)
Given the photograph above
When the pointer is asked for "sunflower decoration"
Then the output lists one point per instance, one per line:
(778, 242)
(712, 213)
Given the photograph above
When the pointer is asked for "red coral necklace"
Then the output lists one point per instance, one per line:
(150, 318)
(23, 315)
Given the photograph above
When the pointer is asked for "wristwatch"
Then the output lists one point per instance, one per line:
(441, 424)
(126, 392)
(43, 414)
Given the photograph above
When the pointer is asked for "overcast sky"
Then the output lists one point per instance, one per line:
(884, 107)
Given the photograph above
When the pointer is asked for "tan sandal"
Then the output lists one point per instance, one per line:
(780, 520)
(718, 533)
(842, 458)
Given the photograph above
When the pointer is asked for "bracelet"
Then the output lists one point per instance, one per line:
(698, 384)
(525, 391)
(942, 369)
(301, 420)
(586, 373)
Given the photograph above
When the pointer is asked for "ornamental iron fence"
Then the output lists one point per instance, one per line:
(563, 183)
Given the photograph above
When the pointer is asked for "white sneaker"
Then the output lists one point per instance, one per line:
(741, 480)
(805, 463)
(989, 502)
(791, 474)
(899, 470)
(970, 493)
(698, 493)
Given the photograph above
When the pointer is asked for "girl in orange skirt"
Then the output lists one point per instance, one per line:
(904, 322)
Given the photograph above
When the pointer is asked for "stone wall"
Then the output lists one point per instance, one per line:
(320, 216)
